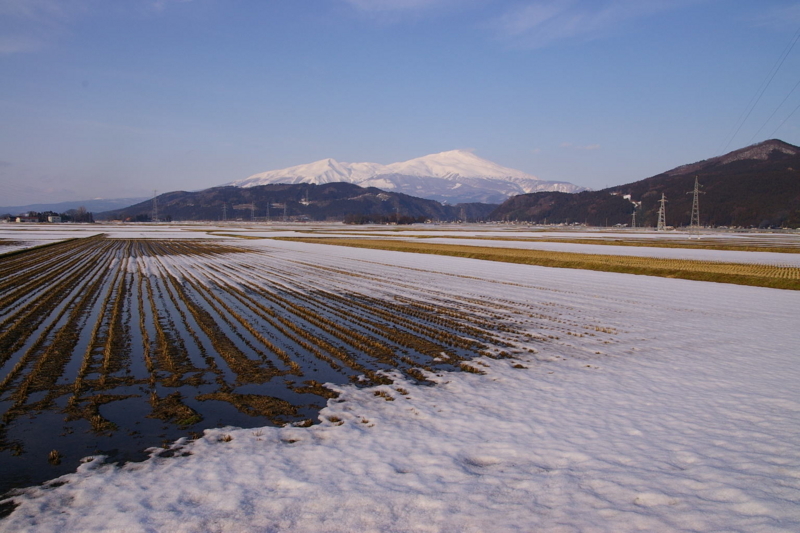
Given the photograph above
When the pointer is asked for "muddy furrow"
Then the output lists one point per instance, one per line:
(338, 330)
(462, 325)
(49, 307)
(316, 345)
(281, 354)
(384, 334)
(46, 368)
(23, 281)
(246, 369)
(55, 288)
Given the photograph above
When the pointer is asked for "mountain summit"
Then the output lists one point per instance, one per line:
(455, 176)
(755, 186)
(757, 152)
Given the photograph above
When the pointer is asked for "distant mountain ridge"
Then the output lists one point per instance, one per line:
(755, 186)
(456, 176)
(297, 202)
(760, 151)
(100, 204)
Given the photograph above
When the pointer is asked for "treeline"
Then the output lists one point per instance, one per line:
(146, 217)
(80, 215)
(357, 218)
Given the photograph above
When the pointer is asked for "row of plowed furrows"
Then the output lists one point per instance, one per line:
(404, 322)
(490, 320)
(175, 324)
(516, 322)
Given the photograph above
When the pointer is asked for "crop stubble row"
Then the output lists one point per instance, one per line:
(92, 321)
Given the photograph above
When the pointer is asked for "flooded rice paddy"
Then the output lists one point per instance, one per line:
(112, 346)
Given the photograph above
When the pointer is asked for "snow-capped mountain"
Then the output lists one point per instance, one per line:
(455, 176)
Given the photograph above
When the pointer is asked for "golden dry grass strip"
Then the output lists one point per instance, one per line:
(235, 236)
(644, 243)
(735, 273)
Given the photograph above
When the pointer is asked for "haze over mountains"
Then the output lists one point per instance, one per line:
(457, 176)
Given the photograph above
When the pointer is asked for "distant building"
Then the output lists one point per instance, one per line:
(54, 219)
(26, 218)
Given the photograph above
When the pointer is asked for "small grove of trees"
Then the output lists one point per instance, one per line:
(355, 218)
(78, 215)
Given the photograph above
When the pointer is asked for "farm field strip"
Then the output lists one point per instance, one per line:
(645, 403)
(703, 270)
(780, 258)
(352, 325)
(177, 329)
(707, 242)
(782, 255)
(489, 313)
(181, 333)
(544, 317)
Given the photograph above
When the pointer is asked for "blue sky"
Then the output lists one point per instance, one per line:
(115, 99)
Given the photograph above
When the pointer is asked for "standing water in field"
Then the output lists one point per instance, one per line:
(109, 347)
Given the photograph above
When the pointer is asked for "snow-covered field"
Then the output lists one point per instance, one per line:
(730, 256)
(646, 404)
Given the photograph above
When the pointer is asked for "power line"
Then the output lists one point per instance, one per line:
(784, 120)
(761, 89)
(796, 85)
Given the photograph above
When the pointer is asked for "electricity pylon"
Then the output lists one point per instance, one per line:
(154, 216)
(662, 214)
(695, 220)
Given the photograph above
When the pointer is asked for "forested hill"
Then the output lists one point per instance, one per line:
(755, 186)
(331, 201)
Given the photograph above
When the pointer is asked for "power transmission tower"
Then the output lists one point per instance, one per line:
(662, 214)
(267, 209)
(154, 216)
(695, 221)
(633, 218)
(253, 212)
(284, 211)
(224, 212)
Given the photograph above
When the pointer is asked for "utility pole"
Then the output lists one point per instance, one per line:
(695, 220)
(662, 214)
(154, 216)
